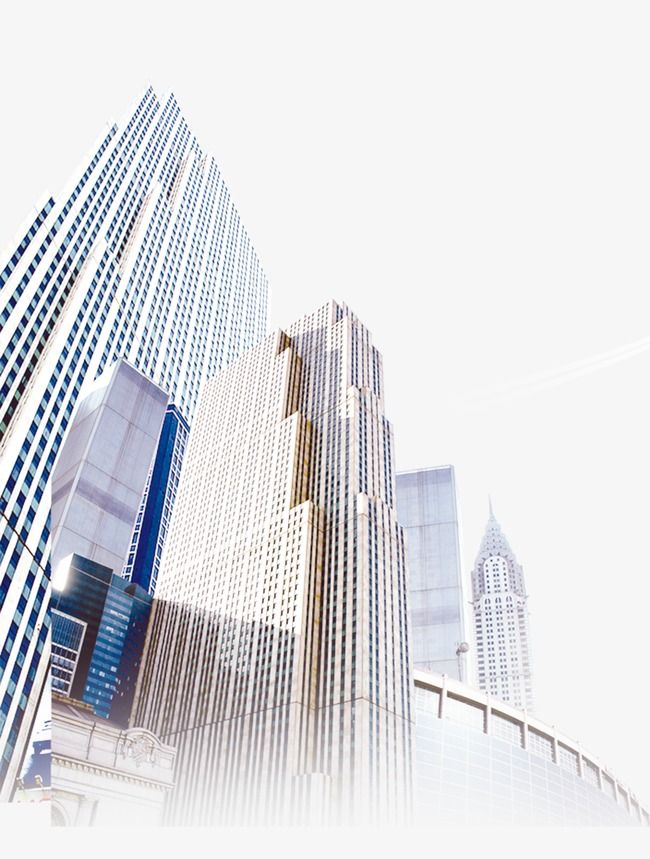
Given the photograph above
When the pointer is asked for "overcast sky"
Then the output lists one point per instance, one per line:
(473, 179)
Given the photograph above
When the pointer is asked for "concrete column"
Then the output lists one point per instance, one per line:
(85, 811)
(443, 697)
(581, 770)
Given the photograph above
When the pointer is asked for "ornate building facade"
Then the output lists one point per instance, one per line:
(103, 775)
(501, 620)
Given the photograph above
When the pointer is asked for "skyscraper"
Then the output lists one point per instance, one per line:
(501, 620)
(68, 635)
(114, 613)
(97, 485)
(101, 470)
(143, 256)
(152, 523)
(277, 659)
(427, 510)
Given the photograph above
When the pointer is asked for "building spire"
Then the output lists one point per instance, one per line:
(494, 540)
(499, 600)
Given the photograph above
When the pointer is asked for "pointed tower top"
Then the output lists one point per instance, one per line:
(494, 541)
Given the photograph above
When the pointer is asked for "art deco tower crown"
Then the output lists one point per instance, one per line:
(501, 619)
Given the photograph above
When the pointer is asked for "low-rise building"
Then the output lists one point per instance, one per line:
(479, 760)
(103, 775)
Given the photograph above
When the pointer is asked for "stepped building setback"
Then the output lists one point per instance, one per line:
(277, 661)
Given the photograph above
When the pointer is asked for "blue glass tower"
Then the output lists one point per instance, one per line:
(155, 512)
(143, 256)
(115, 613)
(67, 638)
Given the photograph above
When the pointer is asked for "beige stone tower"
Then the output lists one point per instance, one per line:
(277, 661)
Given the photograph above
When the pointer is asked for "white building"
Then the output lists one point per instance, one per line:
(142, 256)
(481, 761)
(277, 659)
(103, 775)
(501, 620)
(428, 511)
(102, 467)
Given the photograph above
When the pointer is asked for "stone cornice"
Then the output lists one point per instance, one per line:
(118, 775)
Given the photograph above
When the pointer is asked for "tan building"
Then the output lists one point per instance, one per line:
(277, 659)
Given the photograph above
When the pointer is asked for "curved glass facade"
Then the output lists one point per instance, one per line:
(480, 761)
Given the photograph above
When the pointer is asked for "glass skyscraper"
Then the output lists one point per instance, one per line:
(115, 614)
(67, 639)
(142, 256)
(155, 512)
(427, 510)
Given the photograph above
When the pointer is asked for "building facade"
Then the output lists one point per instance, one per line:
(427, 510)
(102, 467)
(277, 658)
(37, 771)
(142, 256)
(103, 775)
(501, 620)
(481, 761)
(114, 613)
(152, 523)
(68, 635)
(99, 619)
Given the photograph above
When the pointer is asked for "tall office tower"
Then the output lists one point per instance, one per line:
(97, 486)
(426, 509)
(277, 658)
(142, 256)
(501, 620)
(101, 470)
(152, 523)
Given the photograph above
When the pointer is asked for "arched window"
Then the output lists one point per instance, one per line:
(58, 818)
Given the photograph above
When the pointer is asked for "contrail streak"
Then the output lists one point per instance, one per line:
(567, 373)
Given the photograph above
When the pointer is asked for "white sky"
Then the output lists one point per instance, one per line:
(473, 180)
